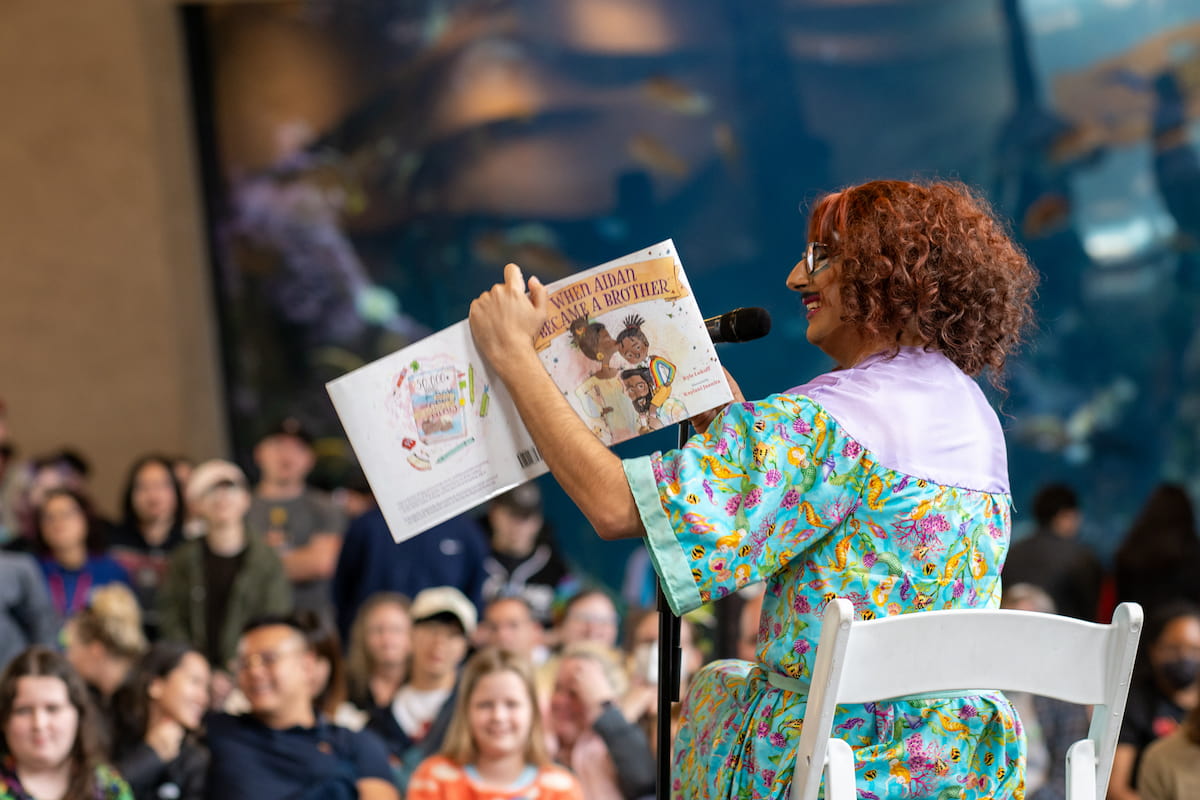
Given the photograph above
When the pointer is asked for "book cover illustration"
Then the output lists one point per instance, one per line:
(437, 433)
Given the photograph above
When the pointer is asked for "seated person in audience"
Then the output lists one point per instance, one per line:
(103, 643)
(495, 747)
(152, 526)
(1171, 766)
(329, 687)
(449, 554)
(589, 616)
(1164, 688)
(216, 583)
(640, 702)
(413, 725)
(1054, 558)
(283, 748)
(522, 559)
(380, 645)
(64, 469)
(49, 744)
(1051, 726)
(592, 737)
(159, 711)
(509, 624)
(69, 545)
(301, 523)
(27, 616)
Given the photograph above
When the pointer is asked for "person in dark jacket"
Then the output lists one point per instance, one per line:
(449, 554)
(217, 583)
(1054, 559)
(159, 711)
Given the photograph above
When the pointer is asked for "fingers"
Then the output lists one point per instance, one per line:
(513, 278)
(537, 293)
(738, 397)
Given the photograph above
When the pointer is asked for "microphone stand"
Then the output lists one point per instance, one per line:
(670, 659)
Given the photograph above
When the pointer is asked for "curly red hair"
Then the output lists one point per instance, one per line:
(932, 259)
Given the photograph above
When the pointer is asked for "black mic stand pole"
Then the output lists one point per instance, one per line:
(670, 658)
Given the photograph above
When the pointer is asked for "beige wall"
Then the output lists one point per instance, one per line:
(107, 339)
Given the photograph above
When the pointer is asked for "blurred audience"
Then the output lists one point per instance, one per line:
(151, 527)
(523, 560)
(159, 711)
(1158, 561)
(215, 584)
(1165, 687)
(284, 747)
(70, 548)
(329, 680)
(1051, 726)
(509, 624)
(62, 469)
(495, 747)
(1171, 766)
(9, 479)
(104, 641)
(50, 746)
(449, 554)
(589, 616)
(302, 524)
(380, 646)
(1054, 559)
(26, 614)
(608, 753)
(413, 725)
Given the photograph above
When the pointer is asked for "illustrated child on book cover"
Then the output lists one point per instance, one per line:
(609, 413)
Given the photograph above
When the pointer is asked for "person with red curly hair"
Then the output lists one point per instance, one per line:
(884, 481)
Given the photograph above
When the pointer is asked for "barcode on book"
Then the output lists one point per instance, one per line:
(528, 457)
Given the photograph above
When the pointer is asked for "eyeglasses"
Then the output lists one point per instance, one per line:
(816, 259)
(267, 660)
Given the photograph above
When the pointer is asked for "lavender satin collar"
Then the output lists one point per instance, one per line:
(920, 415)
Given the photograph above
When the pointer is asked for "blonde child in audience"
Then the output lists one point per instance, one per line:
(105, 639)
(495, 748)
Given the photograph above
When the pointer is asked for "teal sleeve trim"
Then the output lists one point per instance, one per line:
(670, 562)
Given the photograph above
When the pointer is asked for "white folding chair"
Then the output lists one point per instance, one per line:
(953, 651)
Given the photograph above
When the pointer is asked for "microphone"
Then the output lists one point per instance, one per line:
(739, 325)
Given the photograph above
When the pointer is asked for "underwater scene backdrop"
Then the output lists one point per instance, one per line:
(371, 165)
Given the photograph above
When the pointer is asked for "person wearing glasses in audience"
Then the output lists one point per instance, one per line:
(884, 481)
(283, 747)
(216, 583)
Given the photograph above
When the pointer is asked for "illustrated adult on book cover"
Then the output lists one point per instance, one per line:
(883, 481)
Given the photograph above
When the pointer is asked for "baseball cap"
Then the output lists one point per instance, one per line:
(523, 501)
(207, 476)
(441, 601)
(289, 426)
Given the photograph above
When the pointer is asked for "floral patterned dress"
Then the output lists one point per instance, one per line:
(885, 484)
(109, 785)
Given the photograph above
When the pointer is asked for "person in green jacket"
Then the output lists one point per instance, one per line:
(215, 584)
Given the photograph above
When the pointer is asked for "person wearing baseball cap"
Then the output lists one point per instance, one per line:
(415, 723)
(216, 583)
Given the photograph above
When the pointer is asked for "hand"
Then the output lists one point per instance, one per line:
(590, 685)
(505, 319)
(700, 422)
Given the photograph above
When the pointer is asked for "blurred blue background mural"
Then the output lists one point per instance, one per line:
(371, 165)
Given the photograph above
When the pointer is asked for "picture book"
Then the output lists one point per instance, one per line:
(437, 433)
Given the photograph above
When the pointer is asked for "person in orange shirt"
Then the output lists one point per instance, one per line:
(495, 748)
